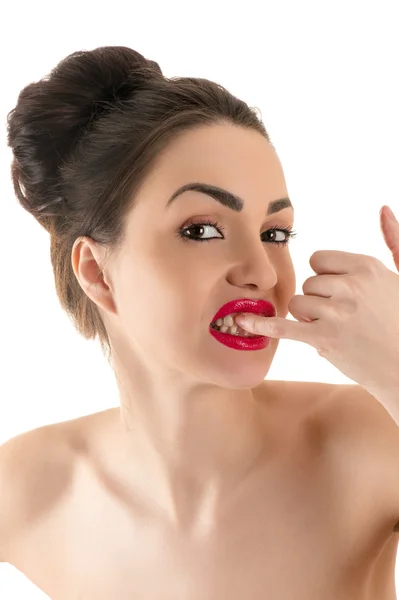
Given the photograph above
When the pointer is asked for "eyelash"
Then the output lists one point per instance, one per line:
(289, 231)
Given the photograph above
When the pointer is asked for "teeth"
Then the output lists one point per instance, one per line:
(228, 321)
(227, 325)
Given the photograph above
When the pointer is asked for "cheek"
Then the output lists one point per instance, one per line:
(167, 282)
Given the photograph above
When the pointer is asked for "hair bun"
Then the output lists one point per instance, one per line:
(95, 79)
(53, 114)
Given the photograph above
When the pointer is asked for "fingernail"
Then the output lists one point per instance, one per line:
(390, 214)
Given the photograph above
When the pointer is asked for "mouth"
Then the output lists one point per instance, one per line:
(228, 325)
(224, 322)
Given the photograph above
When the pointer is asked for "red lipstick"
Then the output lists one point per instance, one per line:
(241, 305)
(257, 342)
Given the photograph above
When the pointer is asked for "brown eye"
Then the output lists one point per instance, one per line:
(203, 227)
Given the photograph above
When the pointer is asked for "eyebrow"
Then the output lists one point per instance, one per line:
(228, 198)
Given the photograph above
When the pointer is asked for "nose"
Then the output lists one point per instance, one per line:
(252, 267)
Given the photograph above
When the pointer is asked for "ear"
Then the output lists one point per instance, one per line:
(88, 259)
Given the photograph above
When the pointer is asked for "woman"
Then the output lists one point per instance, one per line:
(209, 481)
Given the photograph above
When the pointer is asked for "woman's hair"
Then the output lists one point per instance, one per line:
(83, 140)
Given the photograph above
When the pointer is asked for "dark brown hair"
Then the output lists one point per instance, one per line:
(83, 140)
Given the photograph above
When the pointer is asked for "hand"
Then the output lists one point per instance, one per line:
(349, 313)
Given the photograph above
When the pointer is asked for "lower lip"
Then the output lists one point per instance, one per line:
(236, 342)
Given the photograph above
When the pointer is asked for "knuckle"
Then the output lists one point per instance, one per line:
(372, 265)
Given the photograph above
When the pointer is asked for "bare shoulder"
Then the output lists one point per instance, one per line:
(339, 408)
(356, 434)
(303, 397)
(353, 428)
(350, 409)
(364, 439)
(35, 469)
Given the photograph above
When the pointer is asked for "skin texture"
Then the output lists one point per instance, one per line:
(313, 521)
(209, 481)
(179, 388)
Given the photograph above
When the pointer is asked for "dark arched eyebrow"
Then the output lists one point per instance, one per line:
(228, 198)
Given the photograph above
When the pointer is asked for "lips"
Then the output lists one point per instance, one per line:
(259, 307)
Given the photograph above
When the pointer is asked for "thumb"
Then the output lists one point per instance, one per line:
(276, 327)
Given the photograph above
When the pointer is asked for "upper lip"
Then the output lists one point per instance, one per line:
(260, 307)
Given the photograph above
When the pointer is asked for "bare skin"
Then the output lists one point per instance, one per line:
(314, 522)
(208, 482)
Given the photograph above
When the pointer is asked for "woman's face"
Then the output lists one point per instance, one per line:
(168, 285)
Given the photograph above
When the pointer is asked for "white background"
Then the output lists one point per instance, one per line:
(325, 77)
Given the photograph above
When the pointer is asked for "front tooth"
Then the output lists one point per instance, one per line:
(228, 321)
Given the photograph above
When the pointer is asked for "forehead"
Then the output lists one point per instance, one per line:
(238, 159)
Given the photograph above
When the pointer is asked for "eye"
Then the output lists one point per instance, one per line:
(203, 227)
(198, 230)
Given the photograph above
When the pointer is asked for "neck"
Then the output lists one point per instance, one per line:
(189, 446)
